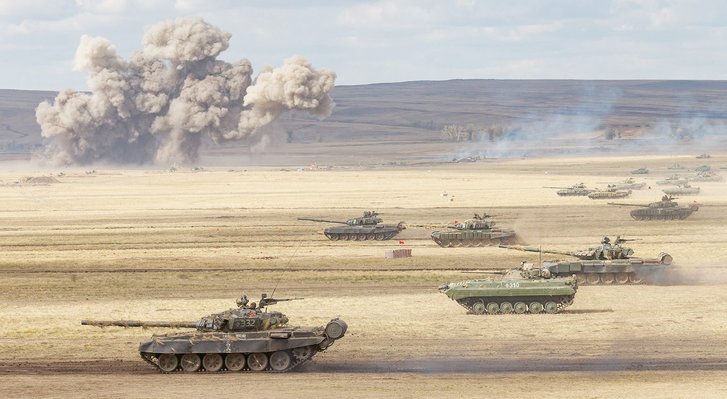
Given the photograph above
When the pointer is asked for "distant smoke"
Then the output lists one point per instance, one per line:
(156, 106)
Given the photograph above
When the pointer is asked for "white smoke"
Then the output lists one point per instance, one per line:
(157, 106)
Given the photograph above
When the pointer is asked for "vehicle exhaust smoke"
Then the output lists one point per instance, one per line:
(156, 106)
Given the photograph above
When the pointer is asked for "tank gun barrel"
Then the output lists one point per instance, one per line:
(533, 249)
(625, 204)
(322, 220)
(272, 301)
(137, 323)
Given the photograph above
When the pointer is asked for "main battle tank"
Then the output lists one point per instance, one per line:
(248, 338)
(367, 227)
(666, 209)
(522, 290)
(628, 184)
(681, 189)
(640, 171)
(605, 264)
(705, 176)
(574, 190)
(672, 180)
(609, 193)
(476, 232)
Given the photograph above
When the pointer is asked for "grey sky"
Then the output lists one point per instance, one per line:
(387, 41)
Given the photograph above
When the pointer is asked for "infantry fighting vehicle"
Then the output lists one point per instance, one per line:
(476, 232)
(579, 189)
(610, 192)
(681, 189)
(666, 209)
(640, 171)
(526, 289)
(605, 264)
(367, 227)
(248, 338)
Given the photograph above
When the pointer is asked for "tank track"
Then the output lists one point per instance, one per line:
(606, 278)
(472, 243)
(361, 237)
(663, 216)
(471, 304)
(152, 359)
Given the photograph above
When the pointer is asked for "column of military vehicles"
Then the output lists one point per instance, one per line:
(252, 339)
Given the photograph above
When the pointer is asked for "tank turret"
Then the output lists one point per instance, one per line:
(248, 338)
(607, 263)
(367, 227)
(579, 189)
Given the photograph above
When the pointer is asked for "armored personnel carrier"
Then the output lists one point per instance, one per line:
(610, 192)
(579, 189)
(681, 189)
(526, 289)
(640, 171)
(605, 264)
(248, 338)
(476, 232)
(367, 227)
(666, 209)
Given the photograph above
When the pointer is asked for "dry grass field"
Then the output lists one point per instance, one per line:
(150, 244)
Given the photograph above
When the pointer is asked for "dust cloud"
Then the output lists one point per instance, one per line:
(157, 106)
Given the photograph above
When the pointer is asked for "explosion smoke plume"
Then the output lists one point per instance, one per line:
(156, 106)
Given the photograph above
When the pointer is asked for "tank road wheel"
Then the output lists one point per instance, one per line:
(536, 307)
(332, 236)
(191, 362)
(446, 244)
(622, 278)
(235, 361)
(356, 237)
(478, 307)
(520, 307)
(505, 308)
(380, 237)
(493, 308)
(551, 307)
(635, 279)
(607, 278)
(280, 360)
(593, 278)
(370, 236)
(168, 362)
(257, 361)
(580, 278)
(212, 362)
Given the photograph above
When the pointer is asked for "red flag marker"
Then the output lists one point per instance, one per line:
(401, 242)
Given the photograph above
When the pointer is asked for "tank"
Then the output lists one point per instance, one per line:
(629, 184)
(640, 171)
(604, 264)
(368, 227)
(706, 176)
(579, 189)
(246, 338)
(675, 166)
(681, 189)
(703, 168)
(672, 180)
(525, 289)
(703, 156)
(610, 192)
(476, 232)
(666, 209)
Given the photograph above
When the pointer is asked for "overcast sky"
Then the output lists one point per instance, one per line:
(390, 41)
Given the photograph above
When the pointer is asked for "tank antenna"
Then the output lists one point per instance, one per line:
(272, 295)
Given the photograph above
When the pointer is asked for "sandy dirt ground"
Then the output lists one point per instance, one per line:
(155, 245)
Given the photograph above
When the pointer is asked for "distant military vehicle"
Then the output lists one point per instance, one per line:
(681, 189)
(703, 168)
(368, 227)
(526, 289)
(666, 209)
(579, 189)
(640, 171)
(674, 179)
(476, 232)
(248, 338)
(628, 184)
(610, 192)
(705, 176)
(675, 166)
(605, 264)
(703, 156)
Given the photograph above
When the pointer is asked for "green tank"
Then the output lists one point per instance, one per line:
(682, 189)
(526, 289)
(673, 180)
(248, 338)
(604, 264)
(476, 232)
(610, 192)
(629, 184)
(576, 190)
(367, 227)
(640, 171)
(666, 209)
(705, 176)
